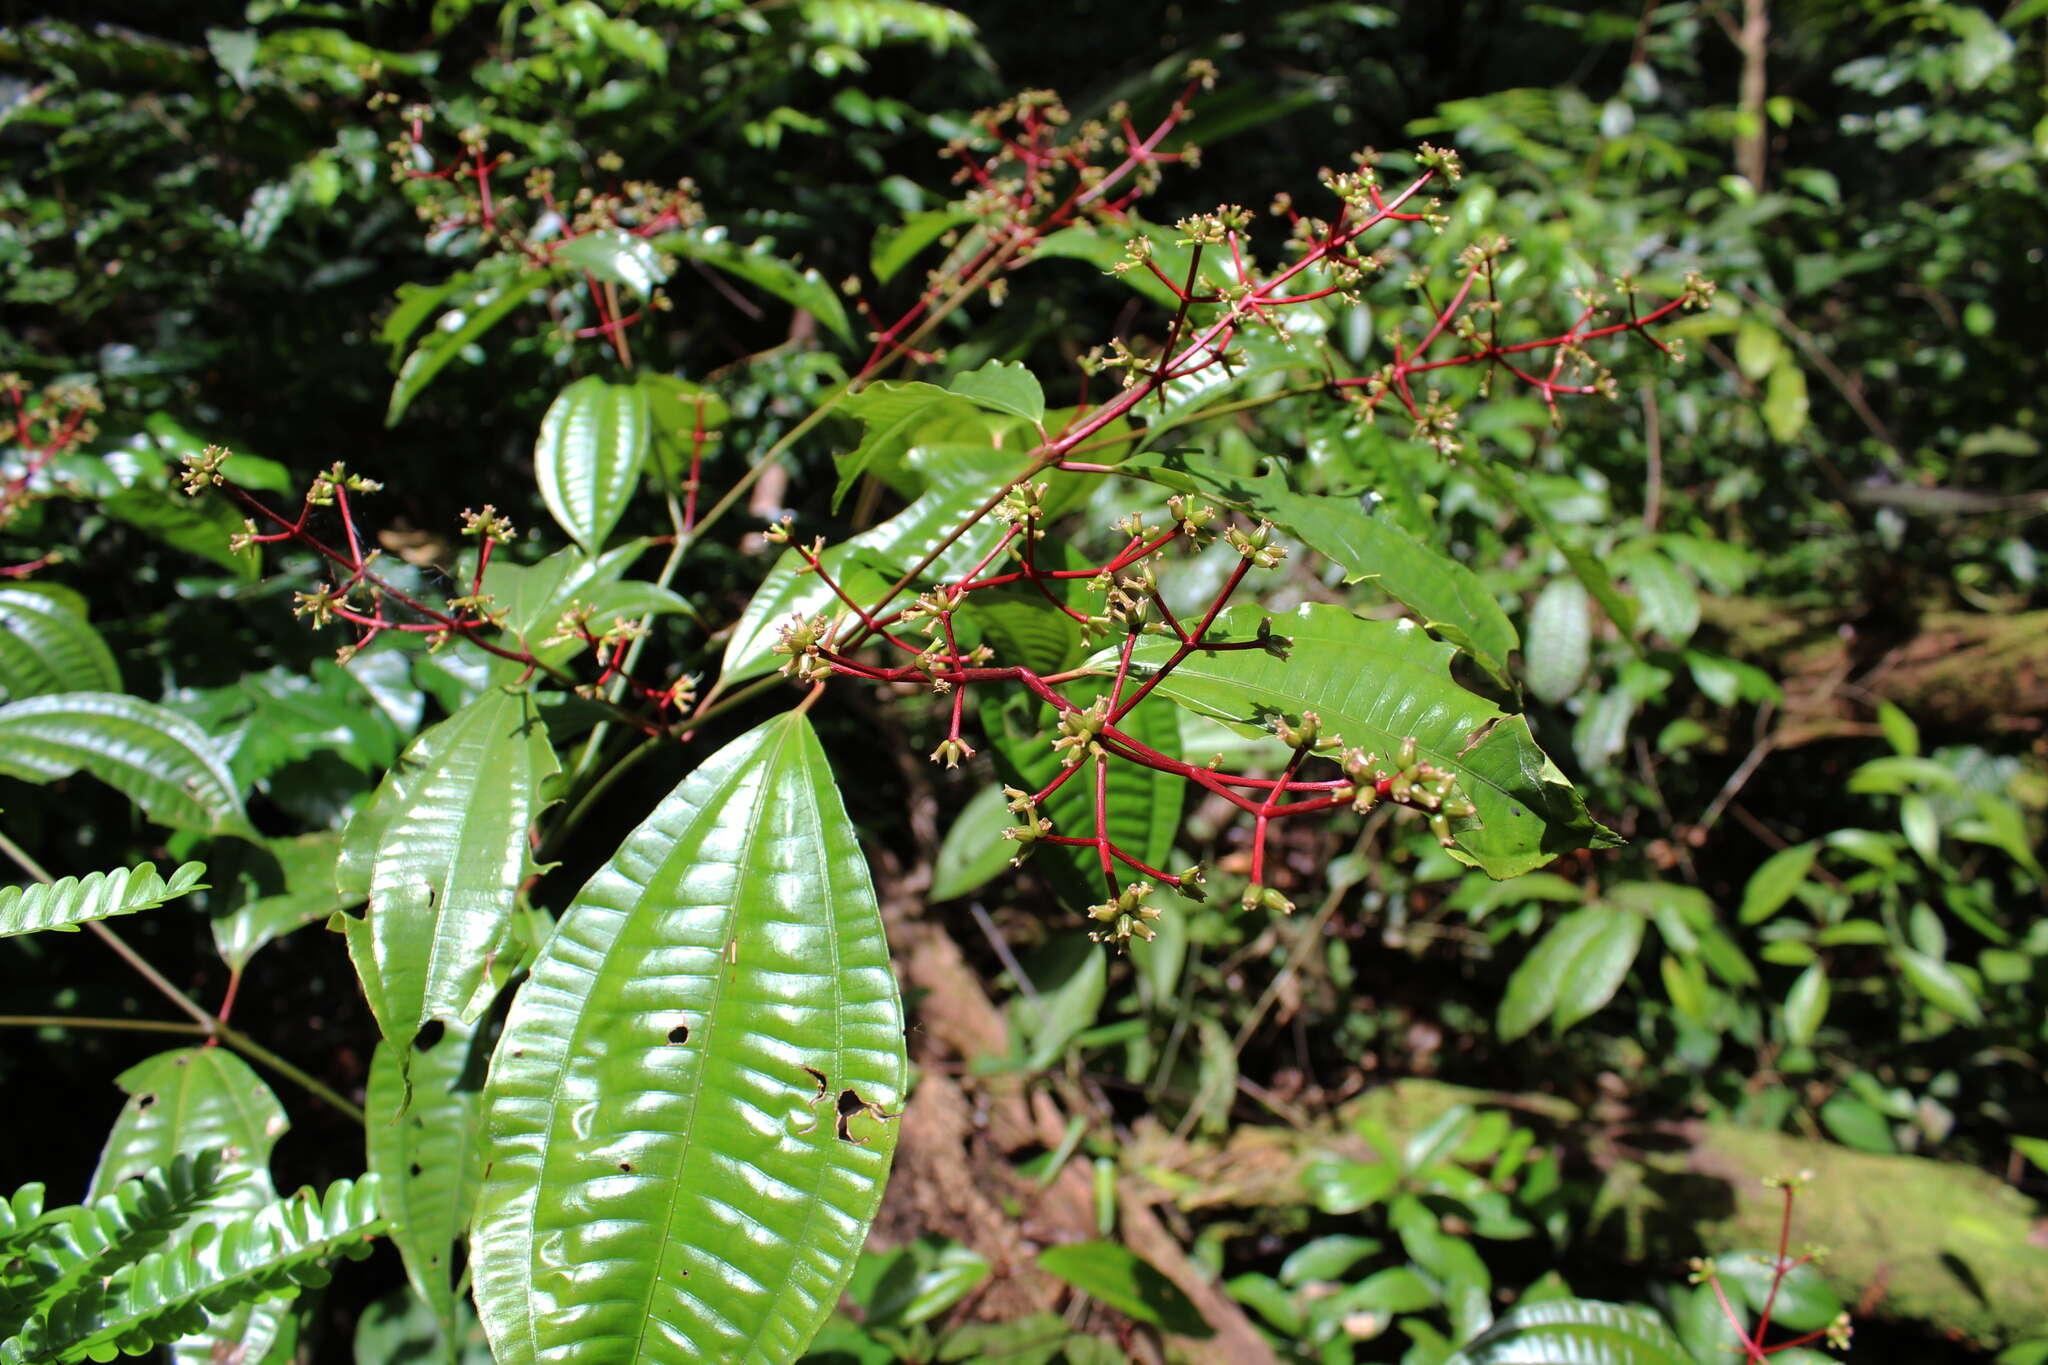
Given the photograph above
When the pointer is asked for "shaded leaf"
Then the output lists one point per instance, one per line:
(616, 257)
(1573, 971)
(1574, 1332)
(480, 305)
(974, 849)
(1560, 640)
(1125, 1281)
(757, 264)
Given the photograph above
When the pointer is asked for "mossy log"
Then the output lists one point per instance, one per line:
(1908, 1237)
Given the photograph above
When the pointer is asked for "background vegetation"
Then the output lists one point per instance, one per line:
(1779, 608)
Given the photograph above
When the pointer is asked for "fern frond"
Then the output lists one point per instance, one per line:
(20, 1212)
(70, 901)
(215, 1268)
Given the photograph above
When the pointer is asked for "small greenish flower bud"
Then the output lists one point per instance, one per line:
(951, 751)
(1079, 729)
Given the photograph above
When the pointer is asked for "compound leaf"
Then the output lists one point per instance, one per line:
(70, 901)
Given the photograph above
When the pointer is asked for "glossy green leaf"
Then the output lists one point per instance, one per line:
(158, 759)
(974, 849)
(800, 287)
(1143, 805)
(440, 853)
(923, 1281)
(192, 1100)
(478, 307)
(1560, 640)
(1940, 984)
(1806, 1005)
(1573, 971)
(421, 1128)
(1786, 402)
(198, 526)
(47, 645)
(1574, 1332)
(614, 256)
(71, 901)
(1377, 684)
(1445, 594)
(592, 444)
(1125, 1281)
(1775, 881)
(682, 1160)
(1327, 1257)
(1003, 386)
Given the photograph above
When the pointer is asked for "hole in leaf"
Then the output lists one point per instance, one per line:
(679, 1034)
(429, 1034)
(824, 1086)
(417, 1170)
(144, 1101)
(625, 1165)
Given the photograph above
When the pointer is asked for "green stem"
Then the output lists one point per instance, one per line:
(202, 1022)
(117, 1025)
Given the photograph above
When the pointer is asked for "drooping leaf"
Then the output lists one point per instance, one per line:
(909, 422)
(421, 1127)
(1573, 971)
(1377, 684)
(685, 1118)
(592, 444)
(156, 757)
(1446, 594)
(897, 247)
(758, 265)
(70, 901)
(440, 853)
(1003, 387)
(1068, 979)
(308, 896)
(198, 526)
(1668, 601)
(47, 645)
(1586, 565)
(677, 412)
(1806, 1005)
(480, 305)
(1574, 1332)
(193, 1100)
(1126, 1282)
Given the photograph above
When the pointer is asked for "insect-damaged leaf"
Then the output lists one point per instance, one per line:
(689, 1117)
(440, 853)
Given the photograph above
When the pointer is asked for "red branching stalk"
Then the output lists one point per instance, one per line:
(1751, 1342)
(1210, 315)
(43, 426)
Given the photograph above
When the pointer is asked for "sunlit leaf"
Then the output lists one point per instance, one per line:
(158, 759)
(592, 444)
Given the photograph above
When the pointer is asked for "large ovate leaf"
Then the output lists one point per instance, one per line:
(421, 1126)
(592, 444)
(157, 758)
(1574, 1332)
(681, 1157)
(181, 1103)
(1446, 594)
(440, 853)
(46, 645)
(616, 257)
(1560, 643)
(1377, 684)
(1003, 386)
(71, 901)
